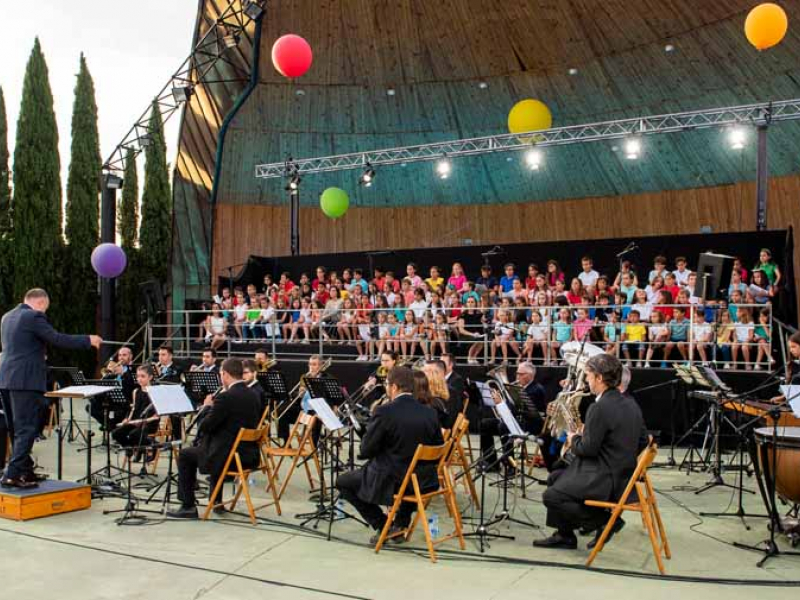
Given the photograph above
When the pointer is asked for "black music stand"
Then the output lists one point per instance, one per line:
(201, 383)
(276, 389)
(114, 399)
(523, 405)
(330, 389)
(74, 377)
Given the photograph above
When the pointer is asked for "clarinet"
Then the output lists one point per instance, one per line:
(201, 414)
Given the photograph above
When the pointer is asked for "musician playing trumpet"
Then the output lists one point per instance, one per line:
(142, 420)
(208, 362)
(604, 451)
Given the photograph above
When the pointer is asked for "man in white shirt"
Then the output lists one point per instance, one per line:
(588, 276)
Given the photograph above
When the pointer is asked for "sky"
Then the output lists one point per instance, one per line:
(132, 48)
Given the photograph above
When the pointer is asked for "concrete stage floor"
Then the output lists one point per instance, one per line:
(86, 555)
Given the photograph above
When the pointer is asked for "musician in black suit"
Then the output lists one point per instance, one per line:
(25, 331)
(456, 385)
(123, 373)
(393, 434)
(166, 370)
(249, 376)
(529, 415)
(208, 362)
(236, 407)
(605, 454)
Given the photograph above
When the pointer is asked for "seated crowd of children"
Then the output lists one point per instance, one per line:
(647, 319)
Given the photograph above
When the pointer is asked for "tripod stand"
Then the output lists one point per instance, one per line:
(505, 514)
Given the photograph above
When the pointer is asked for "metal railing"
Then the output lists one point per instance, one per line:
(353, 334)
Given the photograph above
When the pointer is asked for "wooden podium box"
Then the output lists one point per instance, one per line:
(50, 498)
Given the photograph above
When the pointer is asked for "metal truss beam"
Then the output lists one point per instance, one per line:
(223, 36)
(753, 114)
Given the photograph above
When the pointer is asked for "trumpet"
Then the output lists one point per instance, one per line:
(110, 368)
(265, 365)
(299, 390)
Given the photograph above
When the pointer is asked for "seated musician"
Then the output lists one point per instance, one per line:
(605, 454)
(208, 362)
(374, 386)
(249, 376)
(166, 370)
(393, 434)
(792, 367)
(531, 419)
(123, 373)
(455, 382)
(134, 431)
(262, 359)
(424, 394)
(436, 373)
(236, 407)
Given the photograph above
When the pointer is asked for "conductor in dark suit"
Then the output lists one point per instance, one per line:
(237, 407)
(389, 444)
(25, 332)
(604, 453)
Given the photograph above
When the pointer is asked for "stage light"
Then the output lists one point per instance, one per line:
(533, 158)
(294, 183)
(669, 48)
(483, 85)
(300, 93)
(253, 9)
(737, 138)
(443, 168)
(573, 71)
(390, 92)
(367, 177)
(113, 182)
(633, 148)
(231, 40)
(182, 93)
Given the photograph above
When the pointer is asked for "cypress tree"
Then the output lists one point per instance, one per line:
(83, 208)
(155, 235)
(128, 217)
(36, 203)
(128, 284)
(6, 256)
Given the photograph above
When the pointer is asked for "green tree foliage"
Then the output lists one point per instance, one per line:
(127, 220)
(36, 204)
(155, 235)
(6, 252)
(83, 215)
(83, 207)
(128, 296)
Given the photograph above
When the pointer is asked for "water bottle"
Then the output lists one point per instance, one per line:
(433, 525)
(339, 512)
(251, 481)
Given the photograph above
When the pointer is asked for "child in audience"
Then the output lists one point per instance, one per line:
(663, 304)
(533, 274)
(626, 267)
(702, 335)
(627, 286)
(641, 305)
(679, 334)
(659, 269)
(611, 334)
(290, 328)
(304, 321)
(435, 280)
(671, 285)
(743, 334)
(575, 293)
(725, 329)
(562, 331)
(536, 338)
(681, 272)
(411, 275)
(554, 274)
(457, 278)
(736, 283)
(582, 326)
(588, 275)
(761, 289)
(657, 335)
(761, 334)
(442, 334)
(487, 280)
(634, 335)
(347, 322)
(503, 337)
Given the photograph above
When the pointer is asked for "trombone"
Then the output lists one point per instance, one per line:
(365, 388)
(297, 392)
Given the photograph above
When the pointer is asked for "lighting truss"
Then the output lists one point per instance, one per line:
(753, 114)
(195, 70)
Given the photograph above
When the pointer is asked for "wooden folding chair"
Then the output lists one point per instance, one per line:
(304, 451)
(460, 458)
(241, 475)
(441, 455)
(645, 504)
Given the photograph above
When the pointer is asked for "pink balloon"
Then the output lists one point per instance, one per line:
(291, 56)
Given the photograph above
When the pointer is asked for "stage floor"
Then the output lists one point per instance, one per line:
(86, 555)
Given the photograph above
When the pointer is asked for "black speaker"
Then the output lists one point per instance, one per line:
(713, 275)
(153, 297)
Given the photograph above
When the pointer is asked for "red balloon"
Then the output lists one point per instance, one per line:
(291, 55)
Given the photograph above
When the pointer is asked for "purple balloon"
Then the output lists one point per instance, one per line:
(109, 260)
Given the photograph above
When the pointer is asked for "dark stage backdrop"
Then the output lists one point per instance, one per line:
(604, 252)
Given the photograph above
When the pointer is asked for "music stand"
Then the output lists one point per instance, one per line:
(113, 398)
(74, 377)
(202, 383)
(276, 389)
(330, 389)
(168, 401)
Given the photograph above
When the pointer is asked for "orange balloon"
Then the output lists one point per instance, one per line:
(766, 25)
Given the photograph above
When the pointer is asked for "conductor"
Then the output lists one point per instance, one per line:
(25, 331)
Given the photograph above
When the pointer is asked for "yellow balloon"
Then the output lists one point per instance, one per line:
(529, 115)
(766, 25)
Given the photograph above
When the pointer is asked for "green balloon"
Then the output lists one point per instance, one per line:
(334, 202)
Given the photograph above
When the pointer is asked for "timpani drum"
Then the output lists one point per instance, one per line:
(782, 453)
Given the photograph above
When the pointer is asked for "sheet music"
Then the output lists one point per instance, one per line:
(170, 400)
(792, 394)
(326, 414)
(82, 391)
(486, 393)
(504, 412)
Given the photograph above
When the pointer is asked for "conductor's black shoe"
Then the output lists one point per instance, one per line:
(18, 482)
(618, 525)
(184, 512)
(557, 540)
